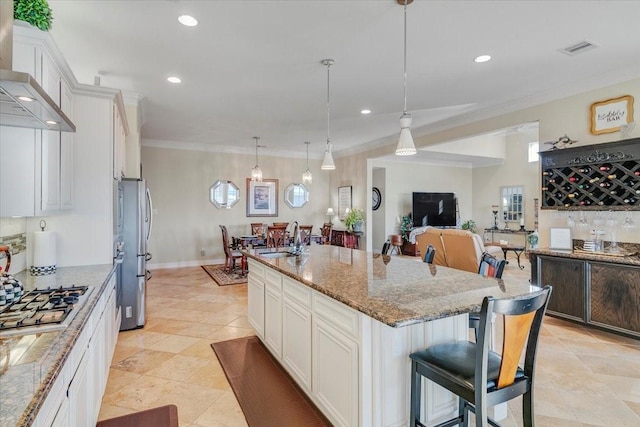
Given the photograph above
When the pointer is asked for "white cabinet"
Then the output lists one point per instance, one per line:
(50, 172)
(255, 301)
(296, 332)
(75, 398)
(119, 139)
(273, 312)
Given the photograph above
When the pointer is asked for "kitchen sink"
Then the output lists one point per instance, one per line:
(276, 254)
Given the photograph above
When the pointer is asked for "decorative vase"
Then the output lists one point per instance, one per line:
(533, 239)
(357, 227)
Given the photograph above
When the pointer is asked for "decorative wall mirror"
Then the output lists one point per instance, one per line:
(296, 195)
(224, 194)
(511, 203)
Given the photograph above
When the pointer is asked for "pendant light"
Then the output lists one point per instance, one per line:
(327, 162)
(256, 172)
(306, 175)
(405, 147)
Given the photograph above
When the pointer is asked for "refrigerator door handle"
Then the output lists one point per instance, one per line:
(148, 275)
(149, 218)
(148, 256)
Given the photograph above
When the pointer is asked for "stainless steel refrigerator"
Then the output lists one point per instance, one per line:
(135, 212)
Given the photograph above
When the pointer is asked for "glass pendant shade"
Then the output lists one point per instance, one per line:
(327, 162)
(307, 177)
(405, 147)
(256, 172)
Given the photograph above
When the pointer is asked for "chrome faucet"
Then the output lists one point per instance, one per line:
(297, 243)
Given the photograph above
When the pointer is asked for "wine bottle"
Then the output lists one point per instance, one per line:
(572, 195)
(547, 173)
(596, 179)
(544, 188)
(605, 184)
(584, 186)
(585, 169)
(586, 202)
(637, 173)
(573, 179)
(630, 182)
(567, 187)
(605, 167)
(631, 200)
(611, 176)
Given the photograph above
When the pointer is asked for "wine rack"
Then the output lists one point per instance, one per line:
(593, 177)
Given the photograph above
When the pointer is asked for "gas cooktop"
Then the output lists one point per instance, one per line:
(42, 310)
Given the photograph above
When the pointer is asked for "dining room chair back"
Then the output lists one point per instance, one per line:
(491, 266)
(480, 377)
(276, 236)
(257, 228)
(305, 234)
(385, 247)
(429, 254)
(232, 255)
(325, 232)
(281, 224)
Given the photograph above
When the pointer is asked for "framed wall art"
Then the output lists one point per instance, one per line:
(262, 197)
(344, 201)
(607, 116)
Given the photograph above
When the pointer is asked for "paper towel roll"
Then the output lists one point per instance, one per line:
(44, 248)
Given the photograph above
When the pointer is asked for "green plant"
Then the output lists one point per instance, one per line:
(353, 217)
(406, 226)
(35, 12)
(469, 225)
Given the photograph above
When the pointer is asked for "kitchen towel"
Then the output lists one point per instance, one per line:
(44, 253)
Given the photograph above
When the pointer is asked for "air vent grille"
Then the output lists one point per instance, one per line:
(580, 47)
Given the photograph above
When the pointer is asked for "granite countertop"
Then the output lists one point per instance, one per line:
(36, 359)
(397, 291)
(596, 256)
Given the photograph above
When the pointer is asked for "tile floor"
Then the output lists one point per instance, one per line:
(585, 377)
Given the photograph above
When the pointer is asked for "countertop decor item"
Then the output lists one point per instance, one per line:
(44, 251)
(35, 12)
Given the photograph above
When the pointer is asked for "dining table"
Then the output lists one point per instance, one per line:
(258, 240)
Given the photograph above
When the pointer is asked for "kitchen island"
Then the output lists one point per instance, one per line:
(58, 377)
(342, 322)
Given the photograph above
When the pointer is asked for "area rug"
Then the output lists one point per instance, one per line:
(267, 395)
(222, 278)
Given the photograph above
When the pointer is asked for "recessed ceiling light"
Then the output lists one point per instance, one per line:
(51, 122)
(26, 99)
(174, 79)
(482, 58)
(365, 111)
(188, 20)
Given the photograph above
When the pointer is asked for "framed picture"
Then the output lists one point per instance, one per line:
(262, 197)
(607, 116)
(560, 238)
(344, 201)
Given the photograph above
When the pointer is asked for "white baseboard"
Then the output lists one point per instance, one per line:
(185, 263)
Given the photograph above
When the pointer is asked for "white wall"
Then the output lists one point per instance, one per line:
(186, 222)
(378, 225)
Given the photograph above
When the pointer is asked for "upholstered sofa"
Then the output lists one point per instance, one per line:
(460, 249)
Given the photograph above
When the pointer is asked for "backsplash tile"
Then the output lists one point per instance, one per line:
(17, 243)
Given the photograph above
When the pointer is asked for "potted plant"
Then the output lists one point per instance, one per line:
(354, 219)
(469, 225)
(34, 12)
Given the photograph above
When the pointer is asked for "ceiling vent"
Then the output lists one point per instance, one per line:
(579, 47)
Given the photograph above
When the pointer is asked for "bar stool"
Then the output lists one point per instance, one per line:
(396, 243)
(480, 377)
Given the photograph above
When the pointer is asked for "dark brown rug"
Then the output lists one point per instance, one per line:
(222, 278)
(268, 396)
(163, 416)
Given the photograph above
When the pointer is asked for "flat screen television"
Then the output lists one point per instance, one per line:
(435, 209)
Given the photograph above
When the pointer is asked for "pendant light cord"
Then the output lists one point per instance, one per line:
(405, 58)
(307, 143)
(256, 138)
(328, 104)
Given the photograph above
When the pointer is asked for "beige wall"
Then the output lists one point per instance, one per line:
(569, 115)
(185, 221)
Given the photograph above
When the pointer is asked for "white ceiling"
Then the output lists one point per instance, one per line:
(254, 67)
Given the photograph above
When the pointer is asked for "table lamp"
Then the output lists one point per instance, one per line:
(330, 213)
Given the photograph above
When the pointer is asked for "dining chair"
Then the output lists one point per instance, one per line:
(281, 224)
(490, 266)
(257, 228)
(325, 232)
(429, 254)
(276, 236)
(385, 247)
(480, 377)
(305, 234)
(232, 255)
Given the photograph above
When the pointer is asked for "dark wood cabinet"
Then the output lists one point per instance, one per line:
(615, 296)
(567, 276)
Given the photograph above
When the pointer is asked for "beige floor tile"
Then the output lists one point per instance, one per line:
(225, 412)
(210, 376)
(634, 406)
(612, 366)
(597, 410)
(192, 400)
(177, 368)
(201, 349)
(140, 395)
(121, 352)
(229, 333)
(142, 361)
(139, 338)
(241, 322)
(174, 343)
(112, 411)
(624, 387)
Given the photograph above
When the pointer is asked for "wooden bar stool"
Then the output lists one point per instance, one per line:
(396, 243)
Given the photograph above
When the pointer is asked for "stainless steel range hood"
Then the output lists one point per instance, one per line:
(23, 102)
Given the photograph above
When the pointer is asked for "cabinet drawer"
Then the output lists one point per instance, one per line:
(337, 315)
(297, 292)
(256, 269)
(273, 278)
